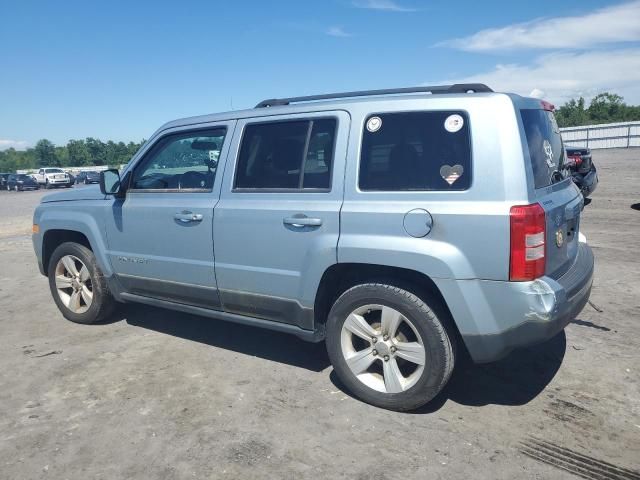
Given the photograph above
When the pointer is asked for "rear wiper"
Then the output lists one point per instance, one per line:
(556, 176)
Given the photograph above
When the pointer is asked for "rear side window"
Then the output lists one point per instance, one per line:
(416, 151)
(296, 155)
(544, 143)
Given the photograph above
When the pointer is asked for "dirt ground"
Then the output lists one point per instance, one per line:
(164, 395)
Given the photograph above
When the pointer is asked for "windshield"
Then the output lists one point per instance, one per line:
(545, 145)
(53, 170)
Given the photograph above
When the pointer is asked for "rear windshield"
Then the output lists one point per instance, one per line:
(545, 145)
(53, 170)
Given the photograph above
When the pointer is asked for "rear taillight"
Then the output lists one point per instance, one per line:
(528, 235)
(577, 160)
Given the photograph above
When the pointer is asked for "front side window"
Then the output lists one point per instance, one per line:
(295, 155)
(416, 151)
(184, 161)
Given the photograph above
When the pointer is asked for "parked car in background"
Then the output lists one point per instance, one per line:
(582, 169)
(88, 177)
(3, 180)
(53, 177)
(20, 182)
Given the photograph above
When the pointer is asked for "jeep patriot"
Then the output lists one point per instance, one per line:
(401, 227)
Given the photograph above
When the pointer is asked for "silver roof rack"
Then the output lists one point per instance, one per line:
(436, 89)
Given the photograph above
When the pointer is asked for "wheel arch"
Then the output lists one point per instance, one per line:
(340, 277)
(58, 226)
(53, 238)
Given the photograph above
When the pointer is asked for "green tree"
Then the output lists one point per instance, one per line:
(78, 153)
(46, 153)
(604, 108)
(572, 113)
(96, 151)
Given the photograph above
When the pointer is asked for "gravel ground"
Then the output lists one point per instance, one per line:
(164, 395)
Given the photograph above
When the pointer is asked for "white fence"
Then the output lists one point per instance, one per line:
(608, 135)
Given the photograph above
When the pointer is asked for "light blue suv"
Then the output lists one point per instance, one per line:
(399, 226)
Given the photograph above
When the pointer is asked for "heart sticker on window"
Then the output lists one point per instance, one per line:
(451, 174)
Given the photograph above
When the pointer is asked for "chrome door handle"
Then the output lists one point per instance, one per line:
(300, 221)
(186, 216)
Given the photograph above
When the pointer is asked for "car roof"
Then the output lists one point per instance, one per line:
(335, 104)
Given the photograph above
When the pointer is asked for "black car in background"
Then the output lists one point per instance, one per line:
(20, 182)
(3, 180)
(88, 177)
(582, 169)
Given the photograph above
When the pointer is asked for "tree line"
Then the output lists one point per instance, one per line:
(76, 153)
(603, 108)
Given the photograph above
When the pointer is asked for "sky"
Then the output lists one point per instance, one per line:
(117, 70)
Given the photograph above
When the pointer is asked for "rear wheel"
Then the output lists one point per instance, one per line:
(388, 347)
(77, 284)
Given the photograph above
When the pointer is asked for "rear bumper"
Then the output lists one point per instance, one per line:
(507, 315)
(588, 182)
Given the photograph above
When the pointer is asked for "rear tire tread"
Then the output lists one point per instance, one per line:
(440, 328)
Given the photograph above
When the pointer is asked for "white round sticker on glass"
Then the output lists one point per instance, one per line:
(374, 124)
(453, 123)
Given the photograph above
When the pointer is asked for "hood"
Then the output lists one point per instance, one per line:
(86, 193)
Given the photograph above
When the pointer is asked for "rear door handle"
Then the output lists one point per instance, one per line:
(185, 216)
(300, 221)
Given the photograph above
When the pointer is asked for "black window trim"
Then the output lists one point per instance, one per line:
(299, 189)
(405, 192)
(153, 149)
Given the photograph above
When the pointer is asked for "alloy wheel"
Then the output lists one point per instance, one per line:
(383, 348)
(73, 284)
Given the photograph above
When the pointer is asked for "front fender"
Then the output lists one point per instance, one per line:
(84, 219)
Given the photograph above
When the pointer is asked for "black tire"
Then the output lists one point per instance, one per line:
(102, 304)
(46, 185)
(438, 342)
(17, 188)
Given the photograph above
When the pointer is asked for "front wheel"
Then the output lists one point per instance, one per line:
(77, 284)
(388, 347)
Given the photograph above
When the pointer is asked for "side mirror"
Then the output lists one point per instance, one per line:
(110, 182)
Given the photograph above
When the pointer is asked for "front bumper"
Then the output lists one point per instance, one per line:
(59, 181)
(496, 317)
